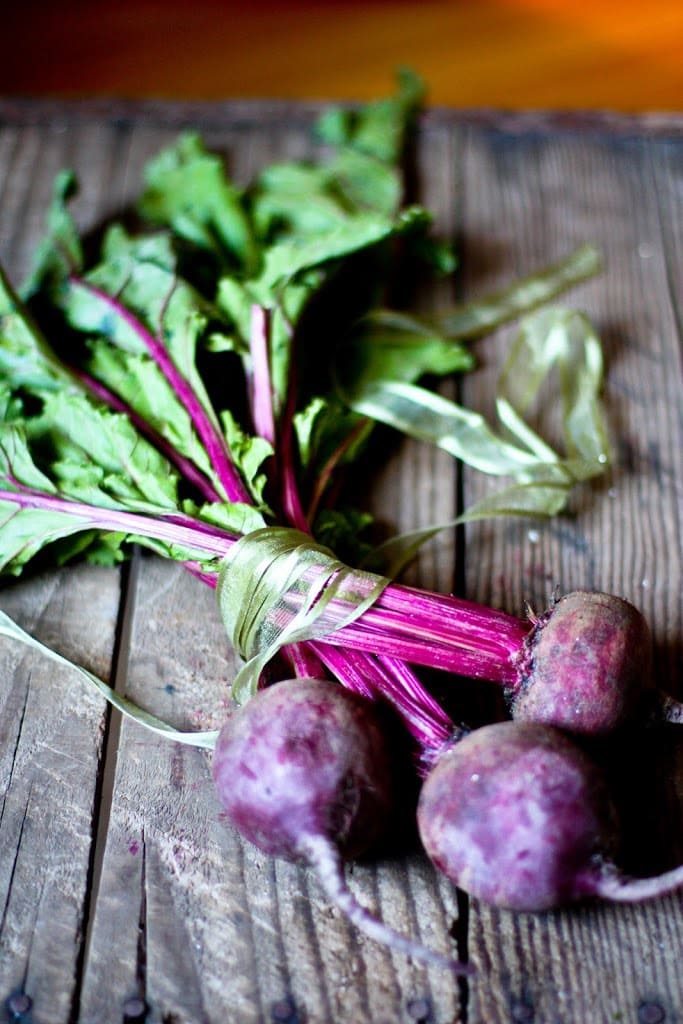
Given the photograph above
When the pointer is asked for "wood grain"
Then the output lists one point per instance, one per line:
(51, 735)
(113, 840)
(538, 194)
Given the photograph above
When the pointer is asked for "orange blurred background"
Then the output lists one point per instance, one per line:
(624, 55)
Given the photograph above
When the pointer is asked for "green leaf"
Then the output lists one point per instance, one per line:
(296, 198)
(328, 430)
(305, 424)
(16, 463)
(92, 451)
(97, 456)
(26, 360)
(303, 200)
(342, 531)
(154, 323)
(249, 455)
(543, 479)
(26, 531)
(395, 346)
(186, 188)
(366, 182)
(60, 252)
(474, 319)
(232, 516)
(378, 128)
(136, 379)
(11, 631)
(285, 259)
(104, 549)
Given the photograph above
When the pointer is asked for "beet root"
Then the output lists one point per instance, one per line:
(303, 773)
(585, 666)
(516, 814)
(304, 757)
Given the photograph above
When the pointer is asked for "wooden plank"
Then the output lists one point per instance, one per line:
(51, 728)
(51, 731)
(230, 117)
(528, 198)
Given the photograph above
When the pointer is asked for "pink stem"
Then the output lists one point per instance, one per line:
(262, 414)
(210, 436)
(174, 528)
(446, 634)
(396, 682)
(291, 499)
(304, 661)
(370, 674)
(422, 628)
(439, 631)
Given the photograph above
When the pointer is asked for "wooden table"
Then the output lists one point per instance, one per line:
(118, 878)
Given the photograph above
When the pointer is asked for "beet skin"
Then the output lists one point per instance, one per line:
(586, 665)
(302, 773)
(304, 758)
(517, 815)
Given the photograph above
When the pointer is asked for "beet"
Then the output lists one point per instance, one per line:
(585, 666)
(512, 813)
(516, 814)
(303, 773)
(304, 758)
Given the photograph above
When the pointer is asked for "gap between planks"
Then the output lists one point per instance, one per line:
(110, 751)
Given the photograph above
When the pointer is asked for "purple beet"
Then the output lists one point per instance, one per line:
(584, 666)
(302, 772)
(517, 815)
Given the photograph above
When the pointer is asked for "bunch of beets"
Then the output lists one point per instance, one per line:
(110, 437)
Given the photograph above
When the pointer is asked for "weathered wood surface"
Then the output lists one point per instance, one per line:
(117, 876)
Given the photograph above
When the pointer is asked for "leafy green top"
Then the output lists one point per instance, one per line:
(214, 370)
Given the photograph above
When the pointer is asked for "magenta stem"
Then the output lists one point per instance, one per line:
(435, 630)
(439, 631)
(214, 442)
(261, 388)
(174, 528)
(396, 682)
(304, 661)
(292, 507)
(358, 670)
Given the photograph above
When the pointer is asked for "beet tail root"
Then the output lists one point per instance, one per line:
(610, 884)
(320, 854)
